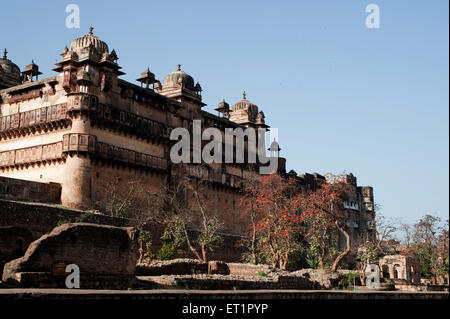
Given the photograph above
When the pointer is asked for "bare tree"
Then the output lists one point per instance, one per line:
(135, 201)
(385, 229)
(185, 212)
(407, 233)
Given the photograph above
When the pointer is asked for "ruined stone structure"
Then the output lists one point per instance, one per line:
(13, 243)
(86, 127)
(40, 219)
(401, 268)
(102, 253)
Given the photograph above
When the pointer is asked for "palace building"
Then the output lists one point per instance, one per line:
(86, 127)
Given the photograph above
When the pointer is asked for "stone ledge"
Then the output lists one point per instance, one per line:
(212, 294)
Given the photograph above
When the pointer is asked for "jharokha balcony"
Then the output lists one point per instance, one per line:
(76, 144)
(101, 115)
(43, 118)
(85, 143)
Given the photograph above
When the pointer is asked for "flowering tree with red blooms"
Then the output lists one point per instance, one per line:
(326, 203)
(275, 224)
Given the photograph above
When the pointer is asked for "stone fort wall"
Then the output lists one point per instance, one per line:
(17, 189)
(40, 219)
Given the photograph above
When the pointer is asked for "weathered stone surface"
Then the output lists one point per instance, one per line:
(218, 282)
(17, 189)
(183, 295)
(322, 277)
(241, 269)
(13, 243)
(98, 250)
(218, 268)
(40, 219)
(401, 267)
(180, 266)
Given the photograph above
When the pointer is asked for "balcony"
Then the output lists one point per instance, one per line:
(78, 142)
(30, 155)
(18, 123)
(107, 116)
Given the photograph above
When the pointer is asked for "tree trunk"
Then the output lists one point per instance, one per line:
(362, 275)
(254, 244)
(284, 261)
(275, 263)
(345, 252)
(141, 253)
(276, 260)
(204, 253)
(276, 255)
(188, 242)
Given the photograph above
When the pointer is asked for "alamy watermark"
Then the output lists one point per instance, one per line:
(73, 279)
(373, 19)
(73, 19)
(372, 276)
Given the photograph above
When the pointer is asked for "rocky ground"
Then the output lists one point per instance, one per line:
(194, 274)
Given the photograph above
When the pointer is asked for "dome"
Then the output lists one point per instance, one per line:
(89, 40)
(178, 77)
(10, 74)
(245, 105)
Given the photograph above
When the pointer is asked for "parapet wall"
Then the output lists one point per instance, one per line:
(17, 189)
(40, 219)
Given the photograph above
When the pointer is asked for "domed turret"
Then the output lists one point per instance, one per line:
(89, 49)
(244, 111)
(89, 40)
(9, 72)
(245, 105)
(179, 78)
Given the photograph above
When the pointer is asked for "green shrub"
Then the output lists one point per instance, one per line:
(348, 281)
(313, 262)
(167, 252)
(262, 273)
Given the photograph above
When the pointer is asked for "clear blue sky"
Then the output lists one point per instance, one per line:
(373, 102)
